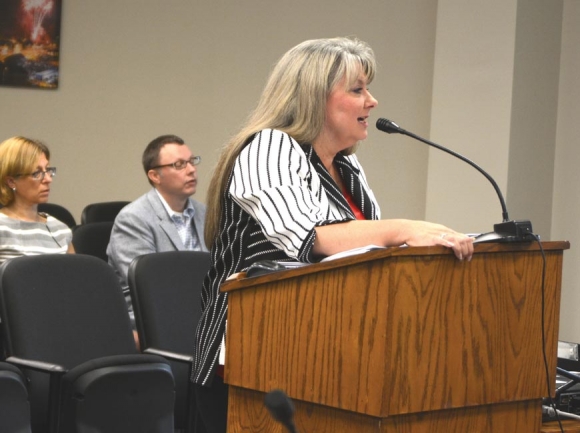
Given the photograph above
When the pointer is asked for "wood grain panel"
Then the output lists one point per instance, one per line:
(412, 331)
(248, 414)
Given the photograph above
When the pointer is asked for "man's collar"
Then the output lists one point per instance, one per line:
(188, 211)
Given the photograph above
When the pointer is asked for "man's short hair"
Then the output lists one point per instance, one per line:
(151, 154)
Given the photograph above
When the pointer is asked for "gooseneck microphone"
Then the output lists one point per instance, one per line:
(281, 408)
(506, 231)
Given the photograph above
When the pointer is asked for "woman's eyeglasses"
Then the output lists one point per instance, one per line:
(39, 174)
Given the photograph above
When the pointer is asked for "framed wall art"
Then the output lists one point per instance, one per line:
(30, 43)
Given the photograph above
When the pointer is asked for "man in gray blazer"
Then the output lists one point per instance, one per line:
(165, 218)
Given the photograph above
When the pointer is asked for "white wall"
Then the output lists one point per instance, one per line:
(472, 91)
(534, 113)
(495, 96)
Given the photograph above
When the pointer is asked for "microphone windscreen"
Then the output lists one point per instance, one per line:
(280, 406)
(388, 126)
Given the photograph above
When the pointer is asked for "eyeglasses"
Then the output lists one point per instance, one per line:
(182, 163)
(39, 174)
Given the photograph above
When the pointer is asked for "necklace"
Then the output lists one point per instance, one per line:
(14, 215)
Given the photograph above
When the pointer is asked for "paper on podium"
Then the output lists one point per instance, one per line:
(353, 252)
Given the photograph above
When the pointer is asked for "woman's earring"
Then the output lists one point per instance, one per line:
(13, 188)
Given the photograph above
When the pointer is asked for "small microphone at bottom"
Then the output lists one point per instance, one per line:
(281, 408)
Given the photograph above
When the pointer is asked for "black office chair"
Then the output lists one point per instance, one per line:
(14, 405)
(65, 317)
(104, 211)
(59, 212)
(92, 239)
(166, 294)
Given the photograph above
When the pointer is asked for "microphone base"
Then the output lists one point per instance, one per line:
(509, 231)
(520, 230)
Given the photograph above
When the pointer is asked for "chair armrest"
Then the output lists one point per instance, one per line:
(36, 365)
(173, 356)
(55, 373)
(183, 359)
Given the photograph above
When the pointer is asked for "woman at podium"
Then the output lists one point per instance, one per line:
(289, 186)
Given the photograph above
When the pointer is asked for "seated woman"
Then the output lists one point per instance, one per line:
(25, 180)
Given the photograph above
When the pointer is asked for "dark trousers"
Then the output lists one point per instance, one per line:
(212, 406)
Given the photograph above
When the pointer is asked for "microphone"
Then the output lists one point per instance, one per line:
(506, 231)
(281, 408)
(548, 411)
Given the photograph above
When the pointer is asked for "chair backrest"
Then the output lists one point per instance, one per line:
(166, 295)
(103, 211)
(63, 308)
(14, 406)
(92, 239)
(59, 212)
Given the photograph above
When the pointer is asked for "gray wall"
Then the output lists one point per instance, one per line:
(476, 77)
(132, 70)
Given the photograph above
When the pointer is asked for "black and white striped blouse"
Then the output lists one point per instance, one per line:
(278, 192)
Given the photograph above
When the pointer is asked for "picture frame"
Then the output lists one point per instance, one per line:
(30, 43)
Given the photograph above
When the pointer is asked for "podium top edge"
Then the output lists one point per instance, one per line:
(240, 280)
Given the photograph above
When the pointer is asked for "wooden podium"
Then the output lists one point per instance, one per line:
(398, 340)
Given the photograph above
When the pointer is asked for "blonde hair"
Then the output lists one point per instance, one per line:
(293, 101)
(18, 155)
